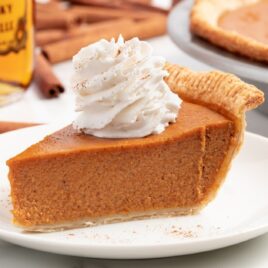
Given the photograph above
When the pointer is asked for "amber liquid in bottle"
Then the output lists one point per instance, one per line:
(16, 48)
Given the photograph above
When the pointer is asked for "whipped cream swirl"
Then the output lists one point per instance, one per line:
(120, 91)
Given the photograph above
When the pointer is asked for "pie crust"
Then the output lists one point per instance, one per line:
(165, 213)
(204, 23)
(222, 92)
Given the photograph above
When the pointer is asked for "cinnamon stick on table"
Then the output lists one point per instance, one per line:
(96, 13)
(46, 80)
(65, 49)
(55, 20)
(147, 2)
(49, 36)
(48, 7)
(6, 126)
(75, 15)
(103, 3)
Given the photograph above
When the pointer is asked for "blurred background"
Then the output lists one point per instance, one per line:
(39, 38)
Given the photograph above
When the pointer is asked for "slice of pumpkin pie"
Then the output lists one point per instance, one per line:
(151, 140)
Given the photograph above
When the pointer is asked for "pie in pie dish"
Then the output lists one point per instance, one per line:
(239, 26)
(71, 179)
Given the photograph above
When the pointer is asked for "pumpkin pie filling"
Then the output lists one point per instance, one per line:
(70, 176)
(249, 20)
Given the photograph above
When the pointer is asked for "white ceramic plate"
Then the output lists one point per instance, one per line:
(239, 213)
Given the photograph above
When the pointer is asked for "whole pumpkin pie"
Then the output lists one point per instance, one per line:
(78, 177)
(239, 26)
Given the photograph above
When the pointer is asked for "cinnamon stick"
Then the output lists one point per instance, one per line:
(102, 3)
(55, 20)
(147, 2)
(6, 126)
(49, 36)
(65, 49)
(46, 80)
(95, 14)
(48, 7)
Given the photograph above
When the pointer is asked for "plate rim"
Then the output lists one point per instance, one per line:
(126, 251)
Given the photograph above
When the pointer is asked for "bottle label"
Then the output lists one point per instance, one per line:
(13, 33)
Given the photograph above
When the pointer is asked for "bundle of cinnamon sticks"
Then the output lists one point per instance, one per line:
(63, 27)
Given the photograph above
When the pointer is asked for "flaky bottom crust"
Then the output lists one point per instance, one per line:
(165, 213)
(204, 23)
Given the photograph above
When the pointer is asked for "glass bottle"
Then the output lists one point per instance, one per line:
(16, 48)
